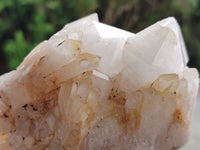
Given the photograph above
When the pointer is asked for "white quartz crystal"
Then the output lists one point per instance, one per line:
(95, 87)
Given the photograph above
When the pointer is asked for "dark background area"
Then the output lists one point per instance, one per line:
(25, 23)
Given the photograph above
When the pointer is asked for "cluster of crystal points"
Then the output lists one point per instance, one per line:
(95, 87)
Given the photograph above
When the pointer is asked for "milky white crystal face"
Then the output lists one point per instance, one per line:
(92, 86)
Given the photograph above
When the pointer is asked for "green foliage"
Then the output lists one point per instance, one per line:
(16, 49)
(25, 23)
(40, 28)
(4, 4)
(83, 6)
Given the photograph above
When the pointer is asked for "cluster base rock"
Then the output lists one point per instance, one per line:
(95, 87)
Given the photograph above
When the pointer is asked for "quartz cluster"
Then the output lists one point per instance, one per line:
(96, 87)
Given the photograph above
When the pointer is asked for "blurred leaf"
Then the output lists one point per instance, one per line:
(185, 7)
(53, 4)
(4, 26)
(83, 6)
(16, 49)
(40, 28)
(4, 4)
(25, 2)
(194, 3)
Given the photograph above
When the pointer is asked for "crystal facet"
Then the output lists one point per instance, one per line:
(92, 86)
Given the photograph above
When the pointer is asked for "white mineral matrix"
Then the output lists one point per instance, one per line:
(95, 87)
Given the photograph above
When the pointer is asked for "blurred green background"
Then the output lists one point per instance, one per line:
(25, 23)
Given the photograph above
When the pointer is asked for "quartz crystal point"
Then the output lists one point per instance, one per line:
(95, 87)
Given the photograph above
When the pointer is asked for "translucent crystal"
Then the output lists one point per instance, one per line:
(92, 86)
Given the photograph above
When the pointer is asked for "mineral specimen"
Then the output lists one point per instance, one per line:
(95, 87)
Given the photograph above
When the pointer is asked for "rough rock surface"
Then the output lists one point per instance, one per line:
(95, 87)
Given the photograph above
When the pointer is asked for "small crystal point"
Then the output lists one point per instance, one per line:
(93, 86)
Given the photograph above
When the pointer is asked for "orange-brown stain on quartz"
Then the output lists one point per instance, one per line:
(45, 102)
(136, 119)
(127, 120)
(136, 114)
(74, 139)
(130, 120)
(178, 117)
(41, 60)
(118, 97)
(77, 47)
